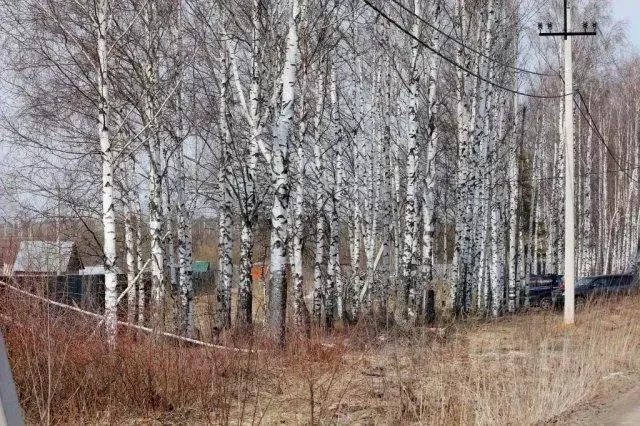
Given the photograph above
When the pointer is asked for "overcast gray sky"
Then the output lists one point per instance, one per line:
(629, 11)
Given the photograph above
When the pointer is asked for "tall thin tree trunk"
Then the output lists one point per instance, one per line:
(333, 292)
(461, 267)
(185, 243)
(142, 293)
(170, 251)
(300, 312)
(428, 193)
(108, 205)
(318, 154)
(384, 186)
(370, 204)
(405, 292)
(513, 211)
(156, 214)
(245, 287)
(225, 213)
(357, 195)
(130, 255)
(496, 272)
(277, 304)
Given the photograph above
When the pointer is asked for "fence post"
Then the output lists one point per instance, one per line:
(10, 411)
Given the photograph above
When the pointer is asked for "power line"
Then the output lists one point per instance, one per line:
(583, 175)
(589, 119)
(532, 180)
(454, 63)
(594, 126)
(477, 52)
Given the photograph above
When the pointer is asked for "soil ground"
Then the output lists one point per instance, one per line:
(618, 405)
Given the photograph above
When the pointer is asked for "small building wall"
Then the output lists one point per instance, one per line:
(84, 291)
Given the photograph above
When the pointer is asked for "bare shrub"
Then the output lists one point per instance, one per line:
(518, 370)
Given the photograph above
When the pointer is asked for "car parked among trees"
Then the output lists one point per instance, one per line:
(596, 287)
(541, 289)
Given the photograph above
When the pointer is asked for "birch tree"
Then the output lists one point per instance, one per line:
(318, 154)
(107, 153)
(185, 242)
(277, 304)
(405, 296)
(225, 214)
(156, 216)
(428, 191)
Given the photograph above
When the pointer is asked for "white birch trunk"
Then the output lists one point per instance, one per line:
(185, 255)
(405, 292)
(558, 245)
(333, 293)
(357, 195)
(513, 211)
(588, 257)
(245, 286)
(130, 255)
(384, 186)
(605, 216)
(535, 269)
(318, 154)
(428, 193)
(156, 214)
(277, 303)
(514, 187)
(169, 247)
(532, 237)
(497, 236)
(139, 255)
(495, 279)
(394, 169)
(463, 115)
(476, 168)
(185, 243)
(521, 283)
(301, 315)
(370, 205)
(635, 254)
(225, 214)
(482, 211)
(156, 233)
(108, 204)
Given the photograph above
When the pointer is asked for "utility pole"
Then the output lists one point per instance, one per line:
(569, 202)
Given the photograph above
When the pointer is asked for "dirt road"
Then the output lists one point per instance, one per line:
(625, 410)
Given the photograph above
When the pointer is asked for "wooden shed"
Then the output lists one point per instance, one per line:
(47, 258)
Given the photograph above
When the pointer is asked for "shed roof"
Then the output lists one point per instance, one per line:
(201, 266)
(44, 256)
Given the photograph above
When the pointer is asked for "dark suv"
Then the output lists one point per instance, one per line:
(541, 289)
(588, 288)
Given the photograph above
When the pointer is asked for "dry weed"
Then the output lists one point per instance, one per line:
(518, 370)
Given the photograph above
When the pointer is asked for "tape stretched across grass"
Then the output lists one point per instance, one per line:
(128, 324)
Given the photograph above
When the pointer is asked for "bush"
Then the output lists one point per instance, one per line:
(517, 370)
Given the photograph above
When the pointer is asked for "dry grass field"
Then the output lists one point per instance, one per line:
(525, 369)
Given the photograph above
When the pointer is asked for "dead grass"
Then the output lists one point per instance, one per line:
(520, 370)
